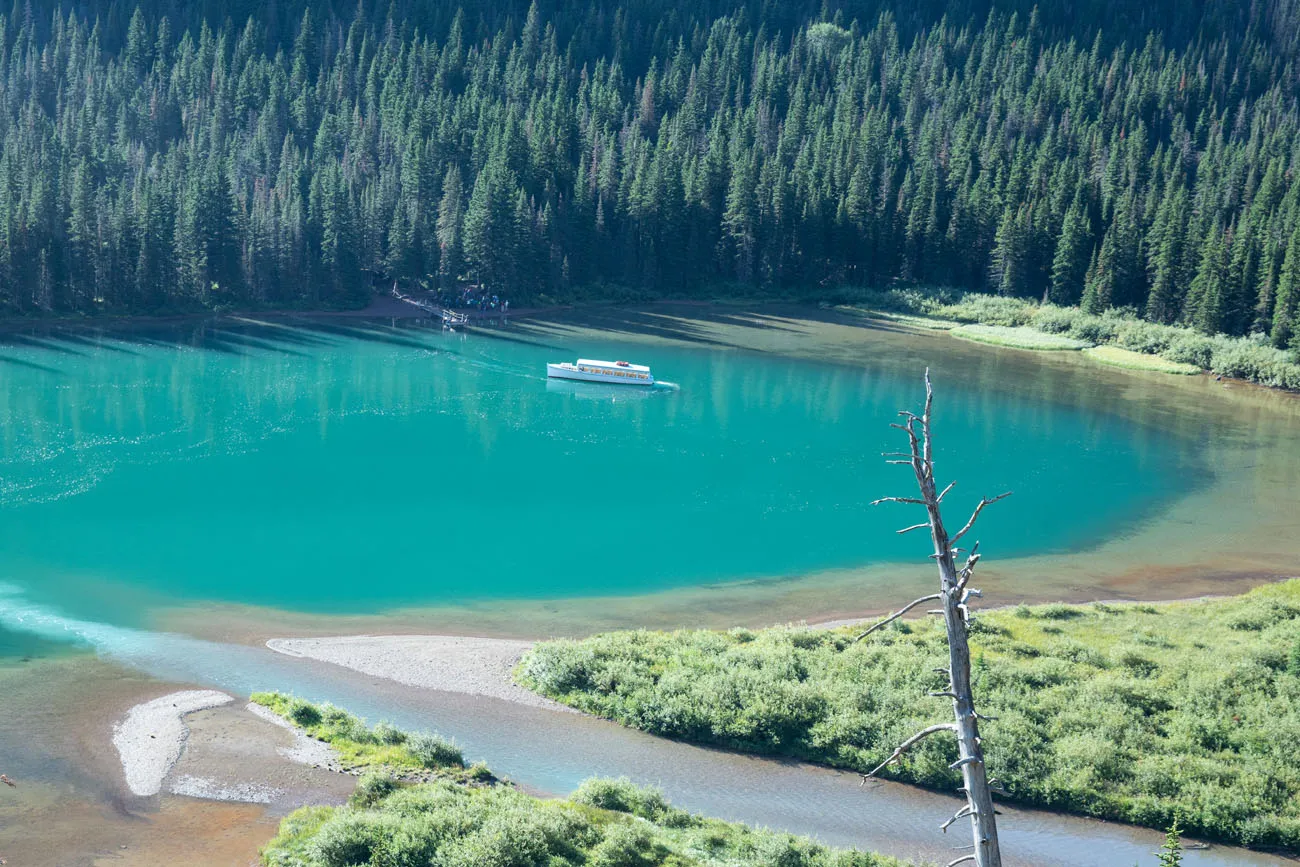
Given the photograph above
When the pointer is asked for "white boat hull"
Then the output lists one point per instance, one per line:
(568, 371)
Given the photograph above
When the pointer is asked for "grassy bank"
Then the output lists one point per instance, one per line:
(1021, 337)
(474, 820)
(1249, 358)
(382, 747)
(1130, 360)
(1129, 712)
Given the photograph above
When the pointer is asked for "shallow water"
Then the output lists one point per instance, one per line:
(551, 752)
(359, 468)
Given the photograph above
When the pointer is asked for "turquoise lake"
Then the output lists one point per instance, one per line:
(358, 467)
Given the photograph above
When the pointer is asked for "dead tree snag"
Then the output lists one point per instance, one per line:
(954, 598)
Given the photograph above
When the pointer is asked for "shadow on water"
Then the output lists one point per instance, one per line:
(700, 325)
(30, 365)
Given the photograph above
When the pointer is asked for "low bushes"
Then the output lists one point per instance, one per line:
(1250, 358)
(434, 751)
(608, 823)
(1130, 712)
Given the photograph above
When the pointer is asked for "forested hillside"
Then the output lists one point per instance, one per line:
(163, 155)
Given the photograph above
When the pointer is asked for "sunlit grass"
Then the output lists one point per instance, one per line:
(1018, 337)
(1130, 711)
(1130, 360)
(362, 747)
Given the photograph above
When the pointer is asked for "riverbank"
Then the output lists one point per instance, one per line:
(446, 814)
(546, 752)
(1129, 712)
(464, 664)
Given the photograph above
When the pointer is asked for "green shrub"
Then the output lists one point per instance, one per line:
(1059, 612)
(384, 747)
(623, 796)
(626, 846)
(304, 713)
(990, 310)
(387, 733)
(479, 772)
(435, 751)
(351, 838)
(1124, 711)
(1055, 320)
(453, 825)
(1190, 348)
(1094, 329)
(372, 788)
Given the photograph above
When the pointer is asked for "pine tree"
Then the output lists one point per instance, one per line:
(1070, 262)
(1206, 302)
(450, 220)
(1164, 246)
(1288, 294)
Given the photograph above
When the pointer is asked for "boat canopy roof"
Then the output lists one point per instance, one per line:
(613, 365)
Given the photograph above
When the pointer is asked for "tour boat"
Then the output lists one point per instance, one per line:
(614, 372)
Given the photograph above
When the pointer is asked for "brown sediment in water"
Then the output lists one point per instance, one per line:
(841, 596)
(73, 807)
(57, 828)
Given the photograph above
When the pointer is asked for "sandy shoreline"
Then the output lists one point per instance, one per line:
(150, 739)
(472, 666)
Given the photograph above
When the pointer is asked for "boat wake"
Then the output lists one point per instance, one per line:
(667, 386)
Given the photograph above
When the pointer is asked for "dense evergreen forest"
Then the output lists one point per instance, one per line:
(161, 155)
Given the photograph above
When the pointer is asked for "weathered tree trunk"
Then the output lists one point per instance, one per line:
(953, 598)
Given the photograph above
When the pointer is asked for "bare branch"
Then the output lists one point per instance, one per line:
(909, 500)
(956, 861)
(925, 420)
(899, 613)
(984, 501)
(939, 499)
(909, 743)
(913, 527)
(961, 814)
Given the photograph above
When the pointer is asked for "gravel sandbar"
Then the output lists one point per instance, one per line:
(473, 666)
(149, 740)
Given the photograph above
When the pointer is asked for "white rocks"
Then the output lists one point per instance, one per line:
(212, 790)
(149, 740)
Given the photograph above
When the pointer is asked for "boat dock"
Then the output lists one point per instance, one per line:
(450, 318)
